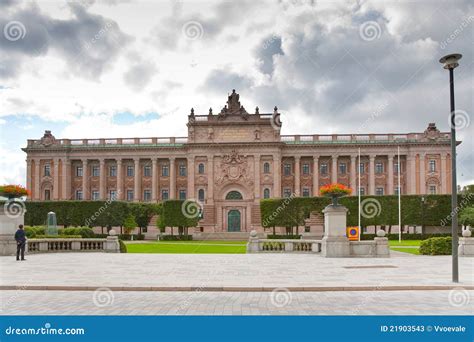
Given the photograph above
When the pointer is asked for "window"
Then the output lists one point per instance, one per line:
(113, 171)
(287, 169)
(266, 167)
(361, 191)
(361, 168)
(395, 167)
(378, 167)
(234, 195)
(432, 189)
(201, 195)
(47, 170)
(182, 194)
(379, 191)
(432, 165)
(397, 190)
(342, 168)
(323, 169)
(266, 193)
(305, 169)
(47, 195)
(130, 171)
(165, 171)
(112, 195)
(79, 171)
(147, 171)
(79, 195)
(182, 170)
(95, 171)
(129, 195)
(164, 194)
(286, 192)
(147, 195)
(201, 168)
(306, 192)
(95, 195)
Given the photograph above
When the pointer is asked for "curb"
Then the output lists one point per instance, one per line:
(235, 288)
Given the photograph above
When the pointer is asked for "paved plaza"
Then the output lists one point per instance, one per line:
(225, 284)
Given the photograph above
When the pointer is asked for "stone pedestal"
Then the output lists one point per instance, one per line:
(112, 245)
(8, 226)
(335, 243)
(252, 245)
(466, 247)
(382, 249)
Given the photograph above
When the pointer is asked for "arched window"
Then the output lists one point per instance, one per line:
(201, 195)
(266, 193)
(234, 195)
(201, 168)
(266, 168)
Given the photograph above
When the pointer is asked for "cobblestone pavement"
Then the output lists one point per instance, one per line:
(456, 302)
(229, 270)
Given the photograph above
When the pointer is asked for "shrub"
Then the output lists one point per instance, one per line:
(58, 237)
(123, 246)
(405, 236)
(436, 246)
(292, 237)
(176, 237)
(84, 232)
(129, 237)
(33, 231)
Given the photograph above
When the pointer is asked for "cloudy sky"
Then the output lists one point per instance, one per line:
(111, 68)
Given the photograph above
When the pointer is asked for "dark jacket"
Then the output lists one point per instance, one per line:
(20, 236)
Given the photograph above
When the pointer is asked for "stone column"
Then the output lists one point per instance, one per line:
(390, 174)
(102, 179)
(257, 176)
(353, 175)
(277, 177)
(410, 174)
(37, 195)
(334, 169)
(172, 178)
(190, 168)
(119, 187)
(210, 179)
(29, 175)
(316, 176)
(136, 180)
(422, 173)
(372, 175)
(335, 243)
(85, 180)
(56, 179)
(297, 176)
(66, 187)
(443, 174)
(154, 175)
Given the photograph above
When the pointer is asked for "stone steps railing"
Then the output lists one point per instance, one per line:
(256, 245)
(109, 244)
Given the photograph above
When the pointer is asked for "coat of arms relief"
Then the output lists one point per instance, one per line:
(233, 168)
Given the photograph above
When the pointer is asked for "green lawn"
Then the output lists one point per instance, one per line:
(404, 243)
(406, 250)
(188, 247)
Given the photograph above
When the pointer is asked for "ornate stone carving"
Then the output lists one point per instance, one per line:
(432, 133)
(47, 140)
(233, 168)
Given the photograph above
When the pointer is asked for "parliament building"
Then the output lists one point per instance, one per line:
(232, 159)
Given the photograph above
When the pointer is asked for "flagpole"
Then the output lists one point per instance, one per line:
(399, 200)
(358, 167)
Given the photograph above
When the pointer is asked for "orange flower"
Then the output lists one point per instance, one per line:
(334, 189)
(13, 190)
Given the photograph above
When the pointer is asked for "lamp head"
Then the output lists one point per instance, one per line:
(451, 61)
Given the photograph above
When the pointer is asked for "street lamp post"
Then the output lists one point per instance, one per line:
(450, 62)
(422, 215)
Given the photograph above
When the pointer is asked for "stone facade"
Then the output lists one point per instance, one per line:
(230, 161)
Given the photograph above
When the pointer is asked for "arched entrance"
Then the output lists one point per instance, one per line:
(233, 221)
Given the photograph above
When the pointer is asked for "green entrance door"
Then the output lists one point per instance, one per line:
(233, 221)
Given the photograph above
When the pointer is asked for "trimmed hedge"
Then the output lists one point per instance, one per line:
(436, 246)
(85, 232)
(405, 236)
(176, 237)
(58, 237)
(123, 246)
(290, 212)
(276, 236)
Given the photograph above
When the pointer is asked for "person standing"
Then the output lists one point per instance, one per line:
(20, 238)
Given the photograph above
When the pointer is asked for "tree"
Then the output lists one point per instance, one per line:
(181, 214)
(129, 224)
(466, 217)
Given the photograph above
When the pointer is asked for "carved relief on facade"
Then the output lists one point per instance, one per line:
(233, 168)
(432, 133)
(47, 140)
